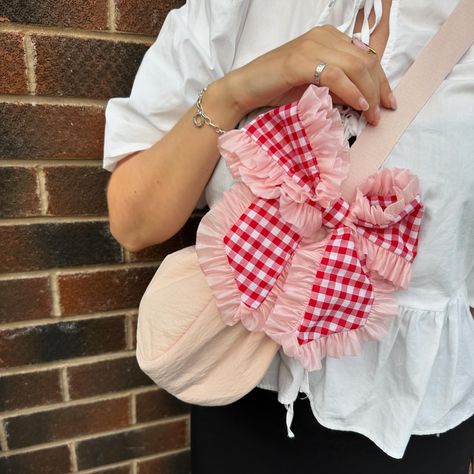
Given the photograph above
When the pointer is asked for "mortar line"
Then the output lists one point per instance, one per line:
(51, 100)
(73, 456)
(112, 16)
(30, 62)
(134, 468)
(84, 269)
(64, 382)
(27, 163)
(132, 415)
(43, 192)
(3, 437)
(55, 297)
(52, 220)
(100, 469)
(26, 28)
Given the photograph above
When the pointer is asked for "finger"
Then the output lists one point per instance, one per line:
(358, 72)
(372, 61)
(387, 98)
(375, 69)
(335, 79)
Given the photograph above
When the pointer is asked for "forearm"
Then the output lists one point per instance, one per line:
(151, 195)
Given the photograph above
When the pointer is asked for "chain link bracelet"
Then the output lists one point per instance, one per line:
(200, 118)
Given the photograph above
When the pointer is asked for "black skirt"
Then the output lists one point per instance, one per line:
(250, 437)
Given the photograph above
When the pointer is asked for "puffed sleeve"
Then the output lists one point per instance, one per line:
(196, 45)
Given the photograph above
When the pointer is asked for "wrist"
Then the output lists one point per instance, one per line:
(221, 105)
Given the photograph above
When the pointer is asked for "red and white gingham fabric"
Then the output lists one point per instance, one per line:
(335, 215)
(341, 296)
(400, 236)
(281, 134)
(258, 246)
(347, 283)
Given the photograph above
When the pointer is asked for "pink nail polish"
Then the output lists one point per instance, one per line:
(360, 44)
(363, 104)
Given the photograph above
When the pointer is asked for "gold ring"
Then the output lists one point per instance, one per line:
(371, 50)
(360, 44)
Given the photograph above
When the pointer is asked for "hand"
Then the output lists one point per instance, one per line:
(354, 76)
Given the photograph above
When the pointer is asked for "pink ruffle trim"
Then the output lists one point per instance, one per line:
(323, 126)
(264, 176)
(212, 258)
(284, 322)
(388, 265)
(400, 183)
(404, 187)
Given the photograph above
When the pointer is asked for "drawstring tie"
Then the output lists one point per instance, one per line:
(289, 418)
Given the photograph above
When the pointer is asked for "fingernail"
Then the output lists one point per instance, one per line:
(393, 101)
(360, 44)
(363, 104)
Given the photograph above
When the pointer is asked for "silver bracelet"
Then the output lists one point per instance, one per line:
(200, 118)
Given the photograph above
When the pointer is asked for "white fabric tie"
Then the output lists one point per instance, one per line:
(289, 418)
(366, 31)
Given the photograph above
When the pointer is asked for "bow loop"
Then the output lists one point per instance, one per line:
(258, 247)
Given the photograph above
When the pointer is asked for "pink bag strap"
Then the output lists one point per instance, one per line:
(419, 83)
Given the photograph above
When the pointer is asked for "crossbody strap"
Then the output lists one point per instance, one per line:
(419, 83)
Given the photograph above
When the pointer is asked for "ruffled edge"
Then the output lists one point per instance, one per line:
(388, 265)
(398, 182)
(266, 178)
(284, 322)
(401, 183)
(324, 129)
(219, 274)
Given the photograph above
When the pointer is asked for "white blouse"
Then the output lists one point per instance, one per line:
(420, 378)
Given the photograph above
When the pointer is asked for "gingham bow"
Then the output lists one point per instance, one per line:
(292, 161)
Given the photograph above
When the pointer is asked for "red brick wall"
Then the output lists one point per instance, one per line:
(72, 398)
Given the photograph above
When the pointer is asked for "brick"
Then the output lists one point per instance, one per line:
(185, 237)
(13, 78)
(143, 16)
(76, 190)
(179, 463)
(105, 290)
(56, 245)
(66, 422)
(158, 404)
(62, 340)
(42, 461)
(19, 196)
(108, 376)
(81, 67)
(28, 390)
(51, 131)
(130, 444)
(24, 299)
(84, 14)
